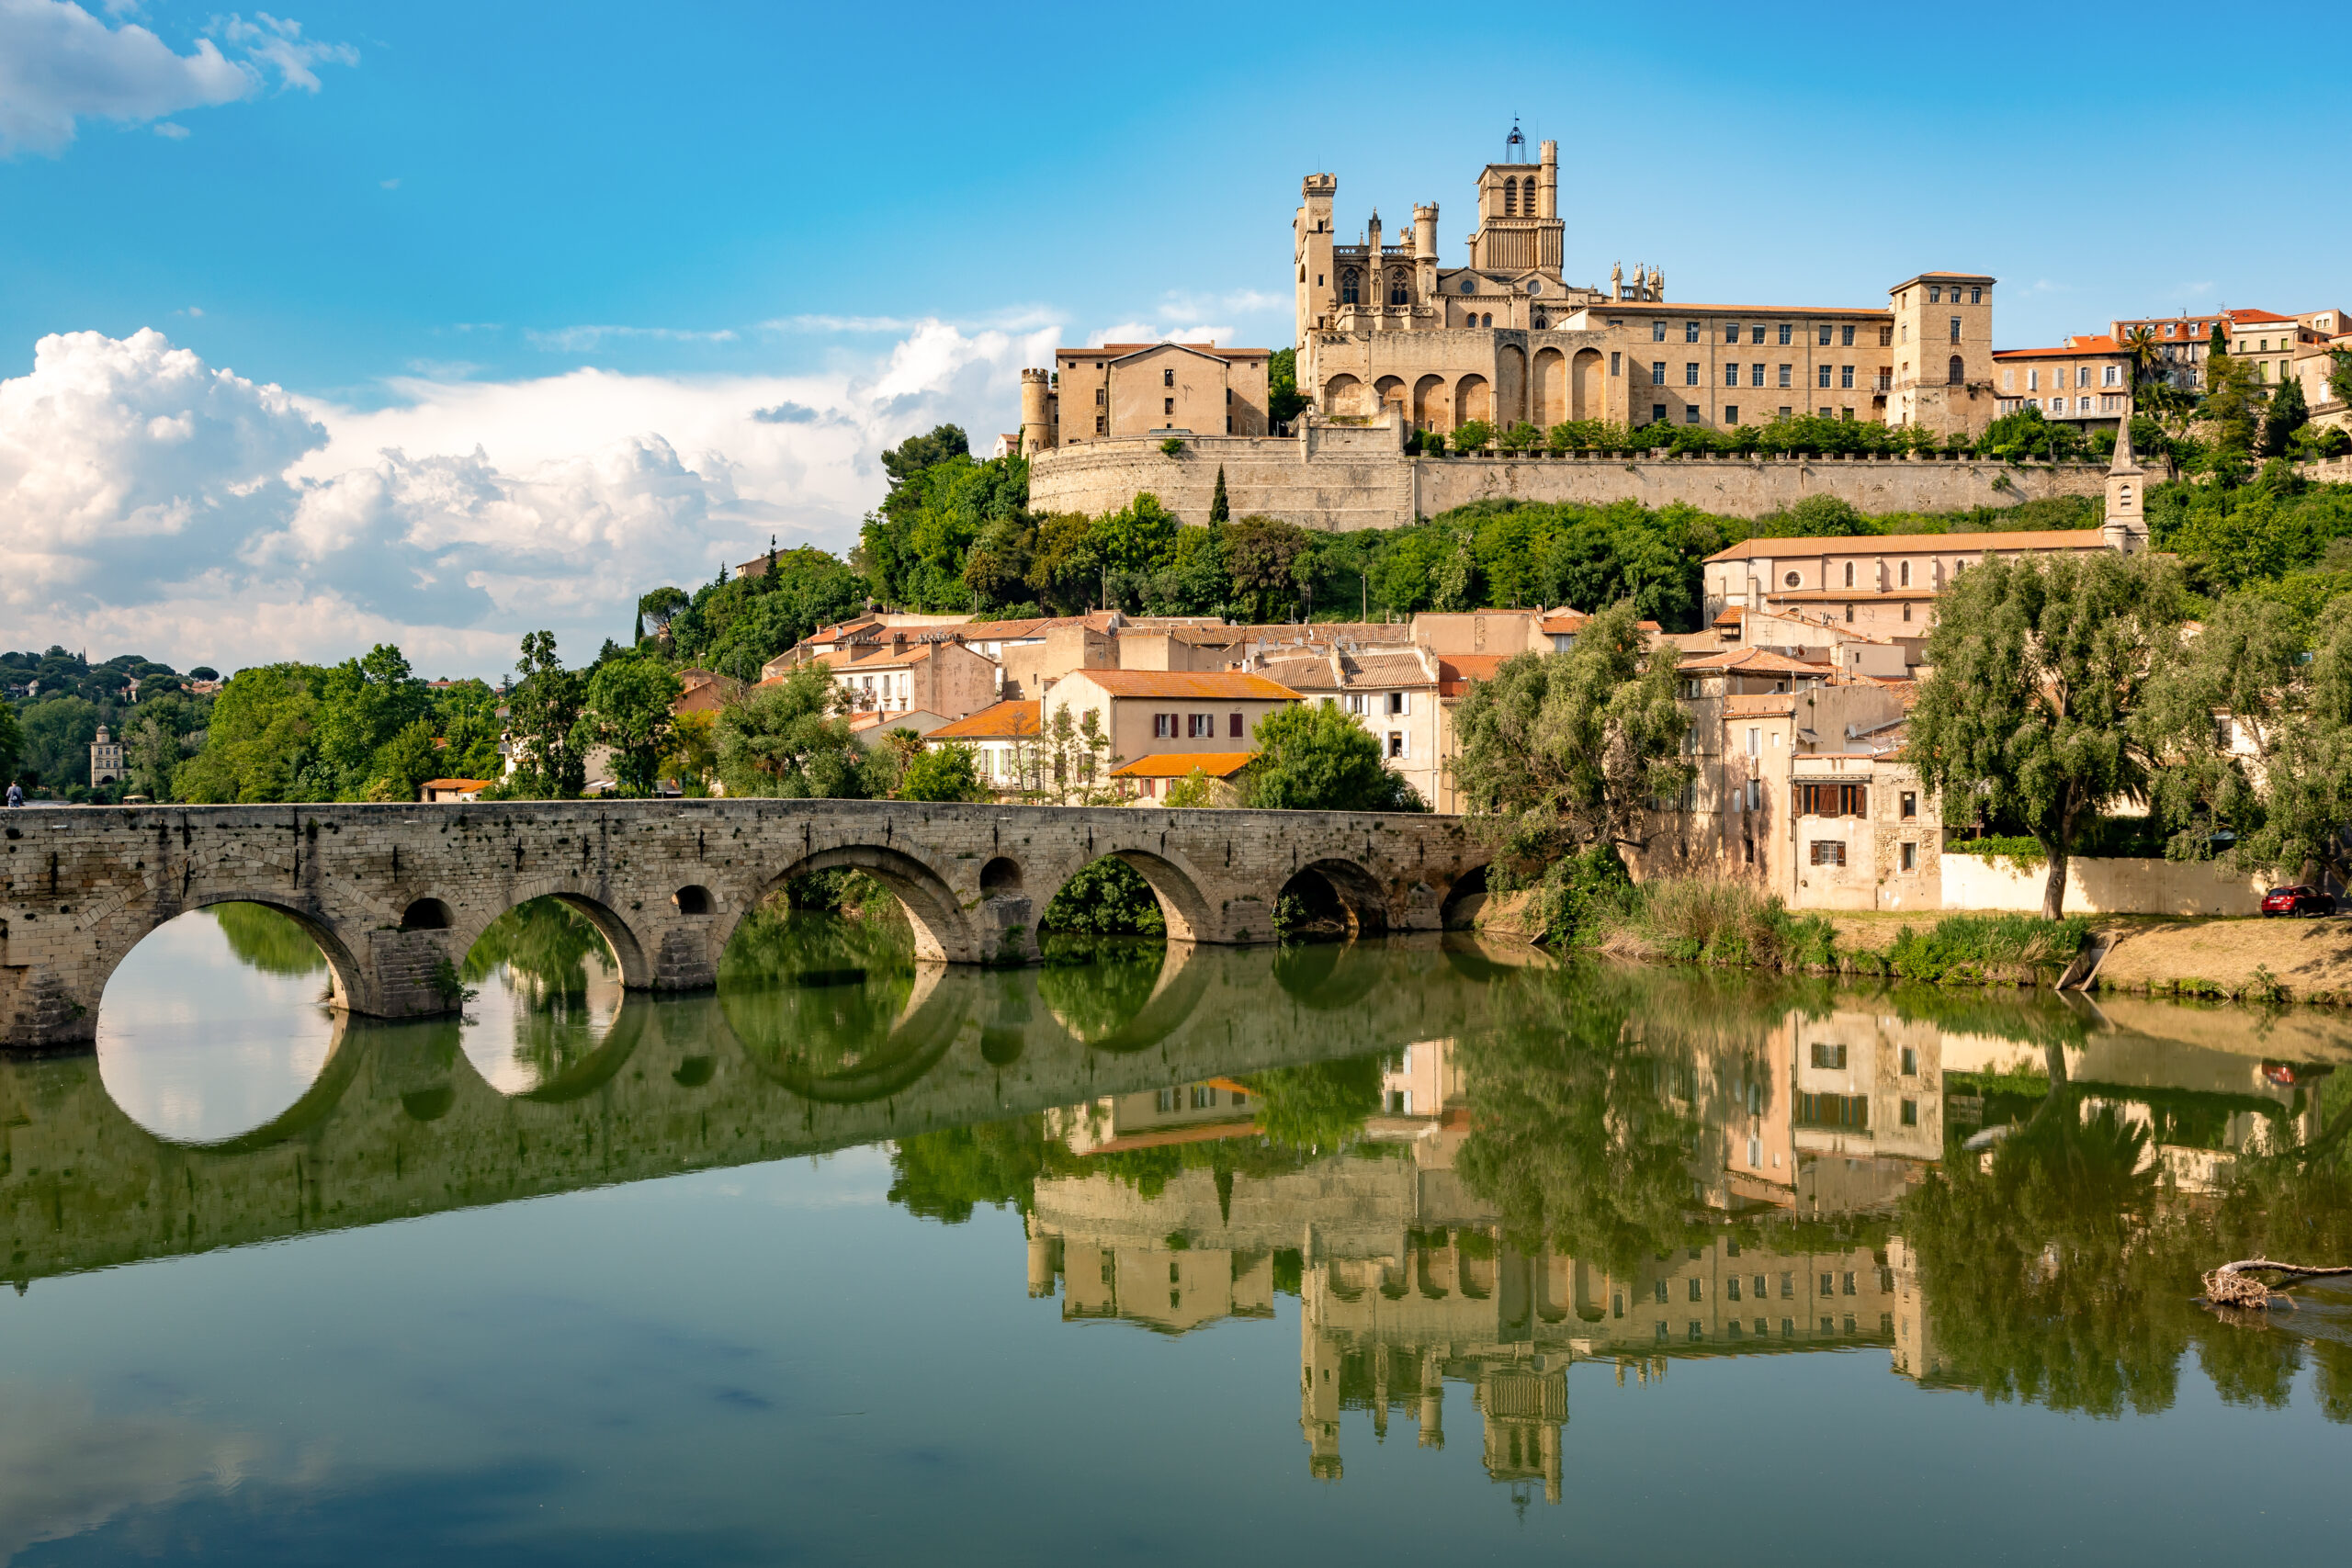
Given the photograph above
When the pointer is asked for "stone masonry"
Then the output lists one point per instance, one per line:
(395, 896)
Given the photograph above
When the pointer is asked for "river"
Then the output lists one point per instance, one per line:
(1389, 1249)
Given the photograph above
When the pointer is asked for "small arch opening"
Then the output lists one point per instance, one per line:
(1464, 901)
(1330, 900)
(427, 915)
(692, 899)
(1000, 878)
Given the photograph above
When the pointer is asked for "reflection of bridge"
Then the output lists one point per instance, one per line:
(395, 895)
(399, 1124)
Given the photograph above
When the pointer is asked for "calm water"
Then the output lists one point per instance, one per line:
(1410, 1247)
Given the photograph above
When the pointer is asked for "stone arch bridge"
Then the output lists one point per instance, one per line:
(396, 895)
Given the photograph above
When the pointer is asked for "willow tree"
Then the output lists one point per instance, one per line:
(2038, 667)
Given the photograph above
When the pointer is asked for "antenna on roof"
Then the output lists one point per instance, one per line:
(1515, 144)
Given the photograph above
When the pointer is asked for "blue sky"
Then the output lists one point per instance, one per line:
(559, 258)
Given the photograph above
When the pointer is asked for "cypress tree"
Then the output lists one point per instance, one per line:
(1219, 509)
(2289, 412)
(637, 635)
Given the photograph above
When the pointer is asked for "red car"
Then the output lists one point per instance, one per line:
(2298, 901)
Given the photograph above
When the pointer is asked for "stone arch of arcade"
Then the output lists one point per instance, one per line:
(395, 896)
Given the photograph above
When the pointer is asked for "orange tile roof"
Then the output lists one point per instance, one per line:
(458, 783)
(1178, 764)
(1926, 544)
(998, 721)
(1753, 660)
(2074, 348)
(1456, 672)
(2258, 316)
(1231, 684)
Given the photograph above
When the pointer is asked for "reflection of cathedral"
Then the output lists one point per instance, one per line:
(1803, 1137)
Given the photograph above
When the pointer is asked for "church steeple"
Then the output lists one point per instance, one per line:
(2125, 525)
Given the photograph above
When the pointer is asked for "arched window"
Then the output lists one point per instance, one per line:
(1957, 372)
(1350, 287)
(1906, 574)
(1488, 321)
(1397, 292)
(1849, 574)
(1510, 198)
(1541, 321)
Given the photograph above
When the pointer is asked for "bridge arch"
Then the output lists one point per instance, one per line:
(1183, 904)
(942, 931)
(1363, 904)
(637, 968)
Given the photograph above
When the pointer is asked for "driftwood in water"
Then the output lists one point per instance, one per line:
(2234, 1284)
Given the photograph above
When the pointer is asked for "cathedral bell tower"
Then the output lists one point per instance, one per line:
(2124, 525)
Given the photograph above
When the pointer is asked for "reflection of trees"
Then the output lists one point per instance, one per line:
(1318, 1108)
(546, 947)
(943, 1175)
(815, 992)
(2065, 1274)
(1095, 985)
(264, 939)
(1576, 1139)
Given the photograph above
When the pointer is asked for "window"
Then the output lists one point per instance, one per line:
(1907, 611)
(2033, 380)
(1163, 726)
(1101, 425)
(1976, 295)
(1102, 396)
(1697, 1291)
(1824, 334)
(1828, 1056)
(1731, 413)
(1200, 727)
(1167, 405)
(1785, 331)
(1824, 381)
(1658, 332)
(1755, 333)
(1400, 703)
(1849, 574)
(1910, 856)
(1691, 373)
(1788, 1290)
(1846, 336)
(1828, 852)
(1956, 373)
(1755, 793)
(1843, 1112)
(1613, 357)
(1488, 321)
(1731, 1289)
(1785, 371)
(1910, 803)
(1203, 1098)
(1756, 373)
(1910, 1114)
(1691, 414)
(1730, 375)
(1658, 372)
(1659, 1290)
(1397, 748)
(1168, 376)
(1755, 741)
(1910, 1061)
(1935, 294)
(1731, 331)
(1351, 288)
(1845, 375)
(2111, 375)
(1657, 413)
(1359, 701)
(1904, 572)
(1756, 1161)
(1233, 726)
(1846, 1286)
(2008, 379)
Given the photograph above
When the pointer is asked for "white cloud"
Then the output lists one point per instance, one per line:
(151, 503)
(171, 131)
(60, 64)
(575, 339)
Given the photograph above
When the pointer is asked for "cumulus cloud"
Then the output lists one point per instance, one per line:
(60, 64)
(149, 503)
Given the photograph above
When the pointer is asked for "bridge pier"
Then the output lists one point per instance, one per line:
(396, 896)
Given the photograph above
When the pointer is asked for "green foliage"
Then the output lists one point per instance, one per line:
(943, 1175)
(1263, 558)
(2230, 413)
(1316, 757)
(1283, 400)
(736, 625)
(784, 740)
(544, 710)
(268, 940)
(1471, 434)
(913, 548)
(1716, 920)
(2339, 375)
(1194, 790)
(1173, 446)
(12, 742)
(1971, 948)
(2024, 435)
(1581, 896)
(1107, 897)
(2232, 536)
(945, 773)
(1220, 509)
(55, 736)
(1321, 1107)
(2287, 413)
(260, 745)
(365, 704)
(2039, 668)
(1566, 749)
(628, 708)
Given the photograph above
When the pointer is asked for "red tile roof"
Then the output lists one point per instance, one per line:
(1180, 764)
(998, 721)
(1232, 684)
(1456, 672)
(2252, 317)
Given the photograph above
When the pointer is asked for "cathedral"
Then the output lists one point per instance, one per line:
(1508, 338)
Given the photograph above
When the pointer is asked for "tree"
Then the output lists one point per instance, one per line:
(2288, 413)
(1316, 757)
(544, 709)
(259, 743)
(784, 740)
(660, 607)
(2339, 375)
(1472, 433)
(628, 708)
(2229, 413)
(2039, 667)
(1563, 750)
(363, 703)
(465, 713)
(1220, 510)
(1194, 790)
(694, 750)
(1261, 553)
(945, 773)
(2146, 353)
(12, 742)
(398, 768)
(917, 453)
(1283, 400)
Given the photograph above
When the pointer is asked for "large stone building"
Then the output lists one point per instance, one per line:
(1508, 338)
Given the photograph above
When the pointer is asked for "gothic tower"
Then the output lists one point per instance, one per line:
(2125, 526)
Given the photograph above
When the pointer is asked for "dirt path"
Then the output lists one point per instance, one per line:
(2163, 954)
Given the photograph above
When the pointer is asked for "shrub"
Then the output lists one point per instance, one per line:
(1709, 919)
(1976, 949)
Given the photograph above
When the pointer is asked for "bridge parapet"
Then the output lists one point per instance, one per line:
(395, 896)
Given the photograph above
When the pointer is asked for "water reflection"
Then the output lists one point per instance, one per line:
(1465, 1168)
(215, 1023)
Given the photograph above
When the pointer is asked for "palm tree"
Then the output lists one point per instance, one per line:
(2140, 343)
